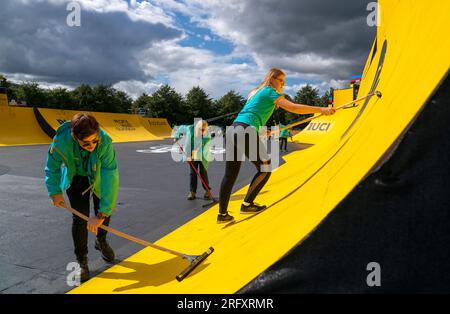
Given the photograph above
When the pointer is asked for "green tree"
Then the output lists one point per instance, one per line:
(228, 103)
(142, 101)
(324, 98)
(84, 98)
(307, 95)
(198, 104)
(122, 102)
(104, 99)
(60, 98)
(11, 88)
(34, 95)
(167, 103)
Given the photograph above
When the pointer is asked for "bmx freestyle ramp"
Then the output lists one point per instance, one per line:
(120, 127)
(157, 126)
(408, 64)
(18, 126)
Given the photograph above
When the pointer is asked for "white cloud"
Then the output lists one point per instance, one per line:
(136, 88)
(185, 67)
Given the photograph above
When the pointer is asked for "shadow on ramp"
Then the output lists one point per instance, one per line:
(146, 275)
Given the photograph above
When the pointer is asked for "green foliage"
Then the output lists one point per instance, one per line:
(198, 104)
(228, 103)
(324, 98)
(307, 95)
(60, 98)
(166, 103)
(32, 93)
(84, 96)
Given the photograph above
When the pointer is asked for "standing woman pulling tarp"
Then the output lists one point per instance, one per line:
(256, 112)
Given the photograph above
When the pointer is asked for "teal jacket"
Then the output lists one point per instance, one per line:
(285, 133)
(191, 145)
(102, 167)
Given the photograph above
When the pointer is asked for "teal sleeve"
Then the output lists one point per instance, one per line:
(53, 172)
(272, 94)
(109, 176)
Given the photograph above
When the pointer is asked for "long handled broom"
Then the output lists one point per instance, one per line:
(377, 93)
(214, 201)
(194, 260)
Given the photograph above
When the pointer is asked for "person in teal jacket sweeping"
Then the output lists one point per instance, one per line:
(81, 160)
(197, 151)
(284, 134)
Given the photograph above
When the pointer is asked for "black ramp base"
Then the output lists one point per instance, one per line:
(398, 217)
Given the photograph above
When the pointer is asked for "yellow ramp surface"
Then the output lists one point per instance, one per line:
(121, 127)
(56, 117)
(18, 126)
(342, 96)
(3, 100)
(157, 126)
(407, 62)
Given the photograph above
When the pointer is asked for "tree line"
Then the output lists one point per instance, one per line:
(165, 102)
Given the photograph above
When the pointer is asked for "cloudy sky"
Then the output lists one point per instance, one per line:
(218, 45)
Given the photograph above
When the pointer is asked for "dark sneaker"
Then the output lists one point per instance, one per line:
(84, 268)
(191, 196)
(106, 250)
(252, 208)
(206, 196)
(224, 218)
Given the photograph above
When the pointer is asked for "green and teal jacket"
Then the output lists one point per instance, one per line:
(193, 146)
(65, 160)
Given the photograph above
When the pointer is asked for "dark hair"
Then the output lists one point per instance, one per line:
(84, 125)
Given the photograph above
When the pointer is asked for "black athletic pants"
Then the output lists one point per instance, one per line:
(193, 176)
(81, 203)
(232, 167)
(283, 141)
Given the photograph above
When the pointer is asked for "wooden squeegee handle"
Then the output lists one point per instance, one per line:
(124, 235)
(290, 126)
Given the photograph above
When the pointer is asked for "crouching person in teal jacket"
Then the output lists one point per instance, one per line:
(82, 161)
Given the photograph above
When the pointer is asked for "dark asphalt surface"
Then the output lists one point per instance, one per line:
(35, 237)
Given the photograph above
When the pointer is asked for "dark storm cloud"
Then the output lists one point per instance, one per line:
(329, 29)
(35, 40)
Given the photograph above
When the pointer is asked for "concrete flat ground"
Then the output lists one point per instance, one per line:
(35, 237)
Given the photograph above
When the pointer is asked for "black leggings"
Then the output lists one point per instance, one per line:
(82, 203)
(232, 167)
(283, 140)
(193, 176)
